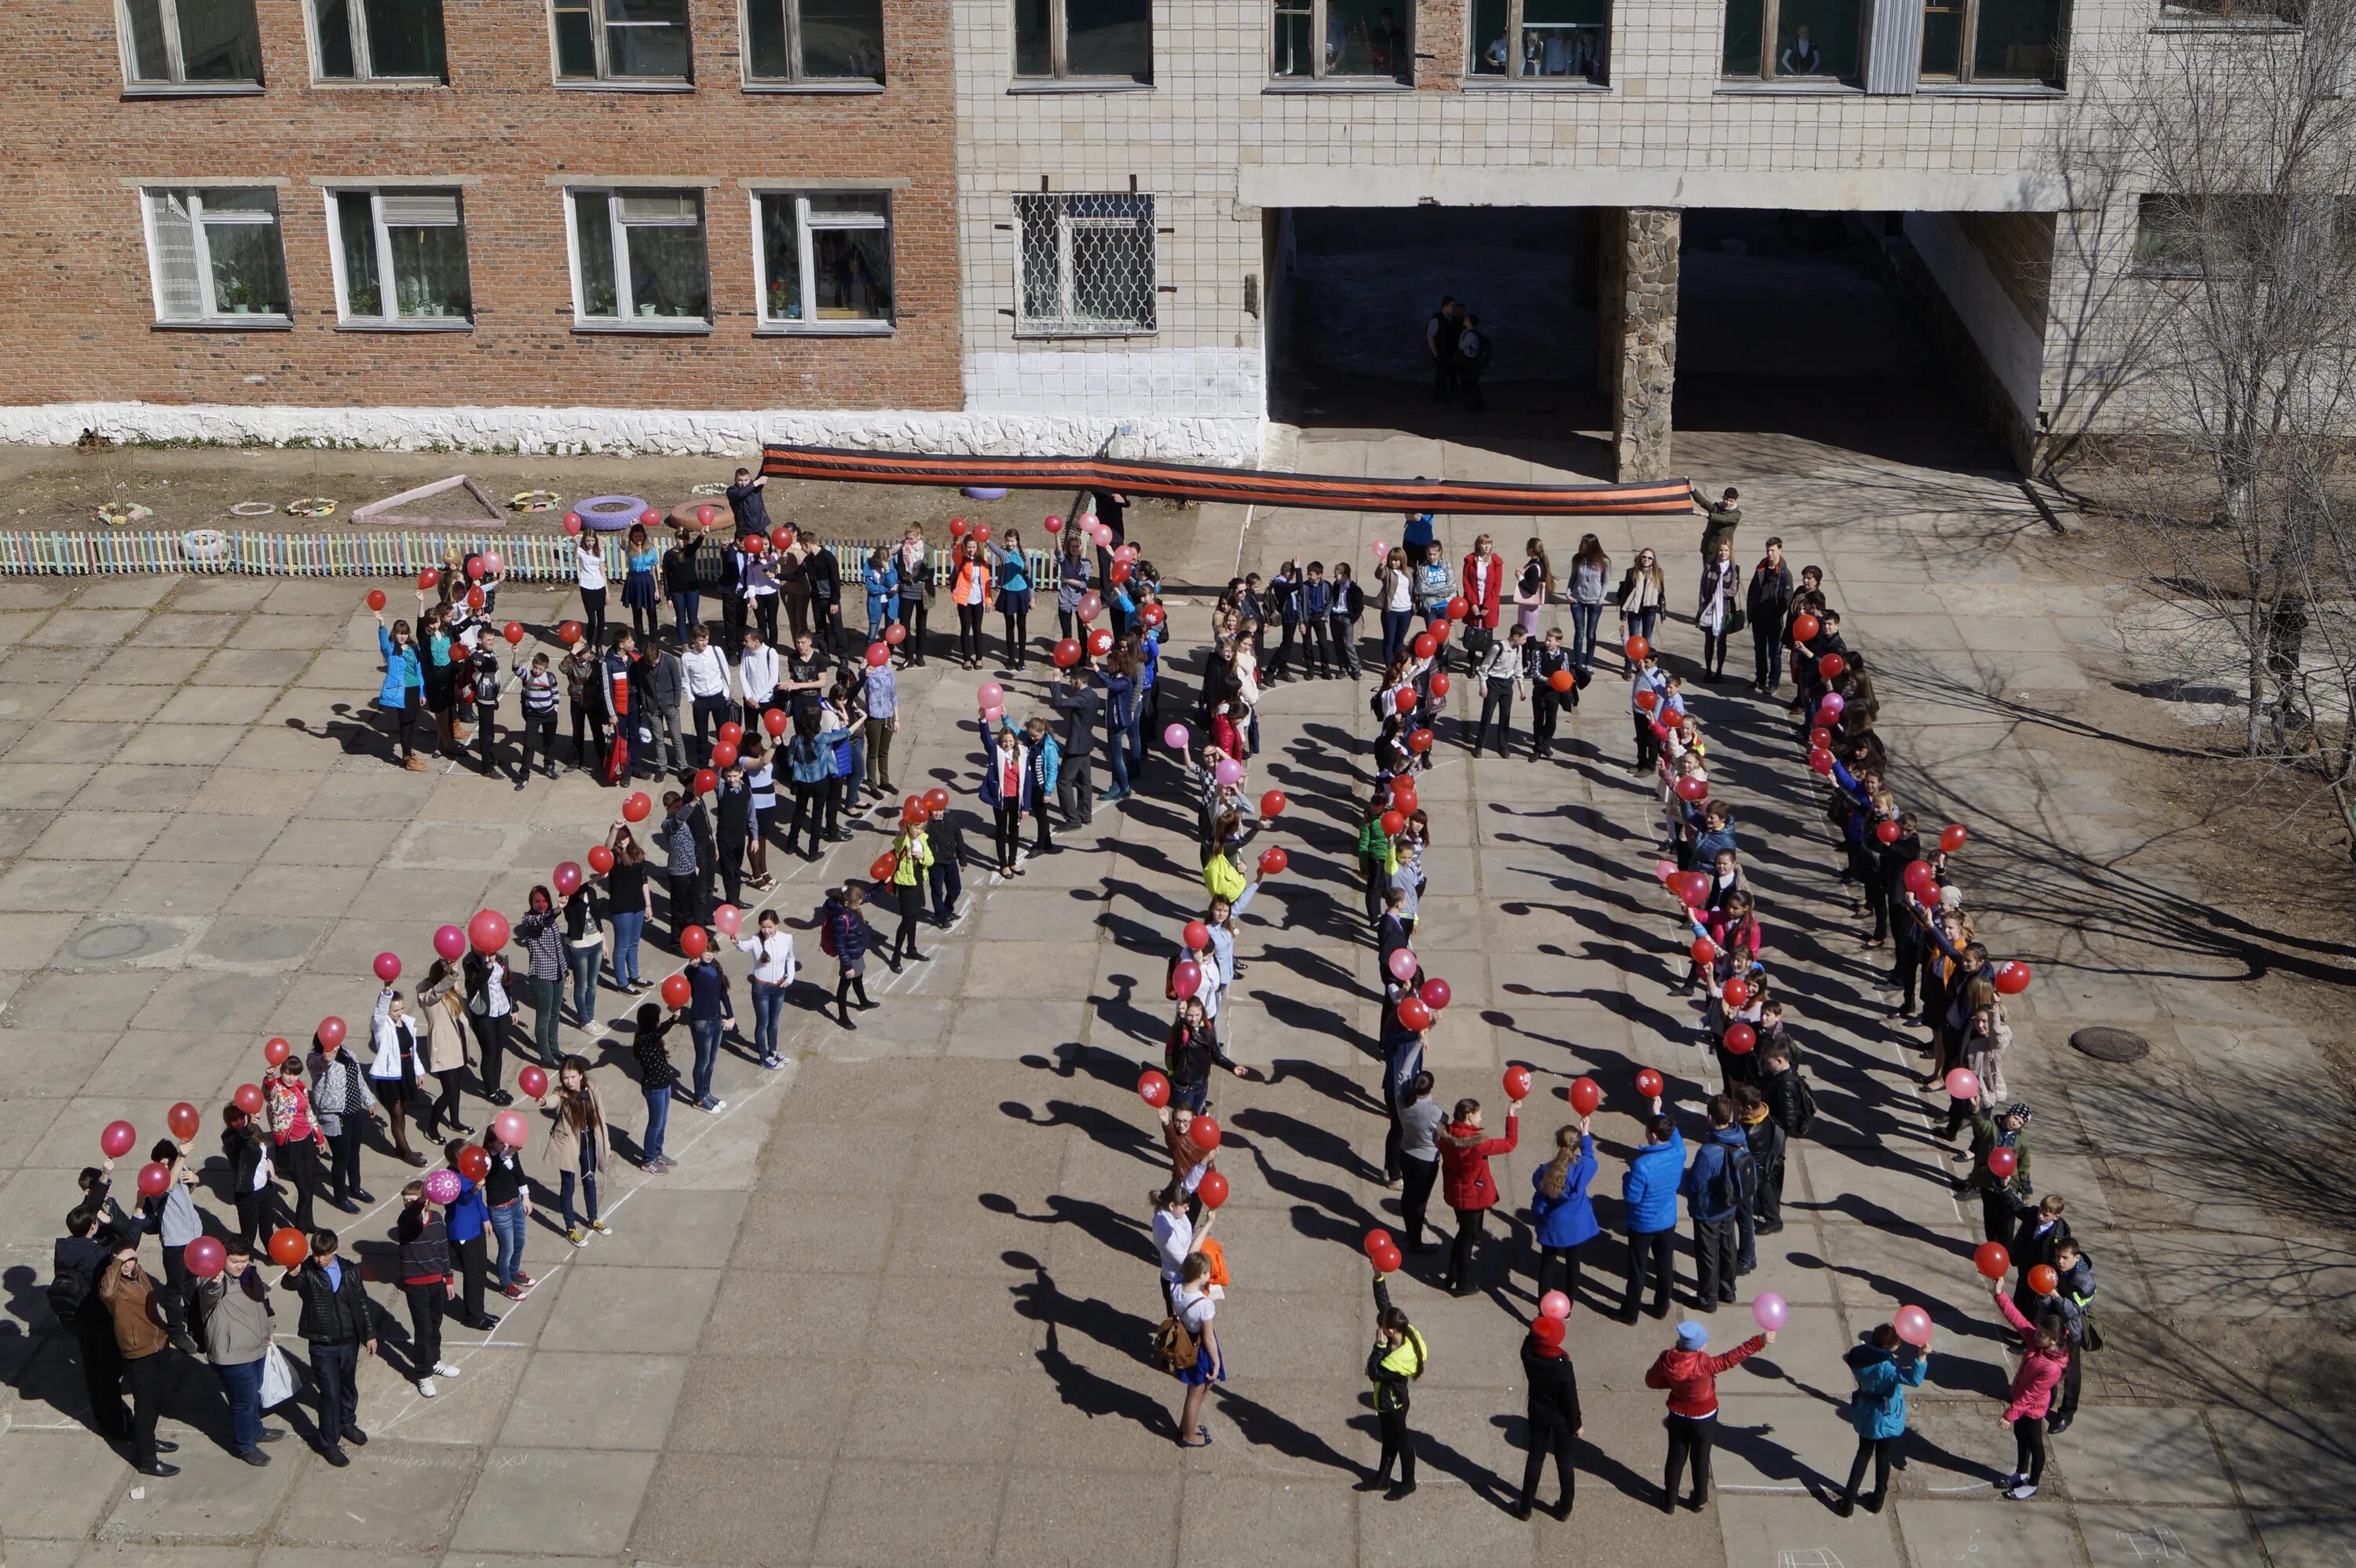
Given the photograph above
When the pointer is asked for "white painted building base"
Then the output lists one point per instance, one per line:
(1229, 440)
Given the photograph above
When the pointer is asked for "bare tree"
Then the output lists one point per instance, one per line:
(2205, 289)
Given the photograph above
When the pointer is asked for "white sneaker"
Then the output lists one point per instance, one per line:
(425, 1388)
(714, 1108)
(2022, 1493)
(445, 1369)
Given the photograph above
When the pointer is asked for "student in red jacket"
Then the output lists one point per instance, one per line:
(1691, 1378)
(1484, 574)
(2033, 1386)
(1465, 1181)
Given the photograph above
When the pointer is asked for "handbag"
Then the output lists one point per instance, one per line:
(277, 1378)
(1173, 1346)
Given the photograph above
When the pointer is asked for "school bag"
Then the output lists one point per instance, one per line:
(1174, 1347)
(1738, 1182)
(67, 1293)
(1805, 1105)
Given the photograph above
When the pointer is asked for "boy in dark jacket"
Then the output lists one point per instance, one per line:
(1554, 1416)
(336, 1325)
(80, 1254)
(426, 1284)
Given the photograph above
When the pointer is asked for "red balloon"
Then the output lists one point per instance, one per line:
(881, 870)
(1636, 648)
(276, 1051)
(1439, 684)
(1692, 788)
(532, 1080)
(513, 632)
(1153, 616)
(1415, 1013)
(650, 519)
(1067, 653)
(1820, 738)
(1404, 701)
(569, 633)
(476, 599)
(957, 527)
(288, 1248)
(695, 942)
(473, 1162)
(1100, 641)
(1649, 1082)
(1120, 570)
(1953, 838)
(488, 931)
(1741, 1039)
(1272, 862)
(1458, 607)
(1419, 741)
(732, 733)
(1425, 645)
(248, 1098)
(675, 991)
(1737, 991)
(1272, 803)
(1197, 934)
(1804, 628)
(1437, 995)
(754, 544)
(205, 1257)
(572, 522)
(388, 967)
(2012, 977)
(183, 1121)
(637, 809)
(601, 858)
(1820, 761)
(475, 570)
(1393, 823)
(724, 755)
(706, 781)
(153, 1177)
(1888, 832)
(567, 878)
(1203, 1134)
(428, 580)
(114, 1140)
(1992, 1260)
(2044, 1280)
(1693, 889)
(1212, 1189)
(376, 598)
(1389, 1259)
(510, 1128)
(781, 538)
(1586, 1093)
(1704, 950)
(937, 800)
(1516, 1082)
(1379, 1242)
(2002, 1162)
(773, 721)
(1648, 700)
(895, 633)
(878, 656)
(1831, 665)
(1154, 1088)
(1562, 680)
(1920, 879)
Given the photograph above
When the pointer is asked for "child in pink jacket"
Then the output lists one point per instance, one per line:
(2041, 1366)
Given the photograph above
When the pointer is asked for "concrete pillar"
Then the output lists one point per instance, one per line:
(1636, 357)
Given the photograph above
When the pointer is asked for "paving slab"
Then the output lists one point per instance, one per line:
(554, 1500)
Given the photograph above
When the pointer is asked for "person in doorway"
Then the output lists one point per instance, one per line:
(1473, 351)
(1441, 334)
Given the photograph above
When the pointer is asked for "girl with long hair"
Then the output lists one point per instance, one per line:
(578, 1144)
(1559, 1203)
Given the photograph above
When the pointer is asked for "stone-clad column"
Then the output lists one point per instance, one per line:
(1637, 361)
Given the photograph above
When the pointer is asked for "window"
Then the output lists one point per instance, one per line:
(2249, 13)
(379, 40)
(1316, 38)
(826, 260)
(638, 258)
(190, 43)
(1791, 40)
(2205, 236)
(1089, 40)
(1084, 265)
(399, 257)
(214, 255)
(1562, 40)
(814, 40)
(1993, 40)
(621, 41)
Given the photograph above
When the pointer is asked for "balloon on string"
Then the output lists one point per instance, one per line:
(1272, 861)
(1992, 1260)
(1913, 1326)
(1458, 607)
(513, 632)
(1516, 1082)
(1203, 1134)
(473, 1162)
(1820, 740)
(1554, 1305)
(635, 807)
(601, 860)
(492, 564)
(567, 876)
(1962, 1084)
(1212, 1190)
(881, 868)
(732, 733)
(1091, 606)
(441, 1186)
(1425, 645)
(675, 991)
(1437, 995)
(1636, 648)
(376, 599)
(1586, 1093)
(1067, 652)
(937, 800)
(1769, 1310)
(695, 942)
(1099, 642)
(510, 1128)
(488, 931)
(1379, 1242)
(114, 1139)
(569, 633)
(183, 1120)
(1414, 1016)
(895, 633)
(1053, 525)
(1393, 822)
(990, 694)
(288, 1247)
(2003, 1161)
(573, 523)
(1820, 761)
(1186, 978)
(1704, 950)
(1154, 1088)
(1804, 628)
(247, 1098)
(1419, 741)
(773, 720)
(153, 1177)
(2044, 1279)
(476, 599)
(1562, 680)
(1382, 550)
(2012, 977)
(1120, 570)
(1693, 889)
(1664, 872)
(1153, 616)
(1401, 965)
(532, 1080)
(1197, 934)
(1888, 831)
(1649, 1082)
(729, 918)
(1736, 992)
(1953, 838)
(276, 1051)
(1833, 703)
(1741, 1039)
(388, 967)
(878, 656)
(706, 781)
(1547, 1331)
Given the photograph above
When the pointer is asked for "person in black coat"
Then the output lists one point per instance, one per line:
(941, 878)
(1553, 1414)
(338, 1323)
(78, 1257)
(1082, 707)
(824, 575)
(1768, 601)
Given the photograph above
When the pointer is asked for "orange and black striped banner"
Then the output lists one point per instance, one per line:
(1189, 482)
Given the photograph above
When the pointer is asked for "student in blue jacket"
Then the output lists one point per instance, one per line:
(403, 692)
(1884, 1371)
(1564, 1218)
(1649, 1188)
(882, 584)
(468, 1219)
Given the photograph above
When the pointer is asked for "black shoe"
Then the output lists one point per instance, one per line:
(335, 1456)
(1522, 1508)
(500, 1097)
(1373, 1484)
(187, 1344)
(1845, 1507)
(1770, 1230)
(355, 1436)
(363, 1195)
(165, 1446)
(158, 1469)
(1628, 1313)
(346, 1204)
(2059, 1425)
(1873, 1503)
(1404, 1489)
(254, 1456)
(273, 1433)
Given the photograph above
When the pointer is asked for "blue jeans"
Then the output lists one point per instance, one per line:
(1395, 629)
(1133, 738)
(565, 1181)
(1642, 622)
(1584, 619)
(582, 962)
(627, 925)
(1119, 754)
(768, 1003)
(650, 1145)
(683, 608)
(707, 1054)
(507, 1225)
(242, 1386)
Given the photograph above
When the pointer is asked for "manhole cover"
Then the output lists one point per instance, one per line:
(2111, 1044)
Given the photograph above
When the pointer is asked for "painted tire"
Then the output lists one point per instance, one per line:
(533, 501)
(311, 507)
(609, 514)
(204, 544)
(984, 493)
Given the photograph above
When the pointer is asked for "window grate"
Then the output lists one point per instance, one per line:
(1084, 263)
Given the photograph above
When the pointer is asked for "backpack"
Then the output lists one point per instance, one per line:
(1174, 1347)
(1806, 1098)
(67, 1294)
(826, 936)
(1738, 1182)
(487, 682)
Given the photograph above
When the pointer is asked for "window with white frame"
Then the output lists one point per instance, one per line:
(379, 40)
(813, 40)
(214, 255)
(189, 42)
(826, 259)
(1086, 40)
(1317, 38)
(1994, 40)
(1083, 265)
(1542, 40)
(638, 258)
(621, 41)
(399, 257)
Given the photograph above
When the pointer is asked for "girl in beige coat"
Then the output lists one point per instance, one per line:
(578, 1146)
(441, 1028)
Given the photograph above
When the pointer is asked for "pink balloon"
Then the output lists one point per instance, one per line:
(1401, 963)
(1381, 550)
(1962, 1084)
(990, 694)
(1229, 771)
(510, 1128)
(388, 967)
(1664, 869)
(442, 1186)
(1188, 977)
(1833, 703)
(1176, 737)
(1091, 604)
(1554, 1304)
(1768, 1310)
(451, 943)
(1913, 1326)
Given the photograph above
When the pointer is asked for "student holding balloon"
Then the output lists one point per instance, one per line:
(1469, 1186)
(167, 1184)
(2036, 1383)
(234, 1306)
(1397, 1359)
(1561, 1214)
(1553, 1414)
(338, 1323)
(129, 1295)
(1690, 1375)
(1877, 1411)
(2000, 1172)
(423, 1267)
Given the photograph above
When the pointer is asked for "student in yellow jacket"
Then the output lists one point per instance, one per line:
(912, 855)
(1397, 1360)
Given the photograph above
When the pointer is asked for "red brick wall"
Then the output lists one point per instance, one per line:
(77, 311)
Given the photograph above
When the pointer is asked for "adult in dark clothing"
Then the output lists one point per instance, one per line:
(1082, 707)
(744, 500)
(1554, 1418)
(1768, 601)
(682, 583)
(141, 1338)
(707, 856)
(254, 1185)
(1886, 893)
(732, 829)
(336, 1324)
(941, 878)
(1441, 335)
(76, 1260)
(1779, 1086)
(824, 575)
